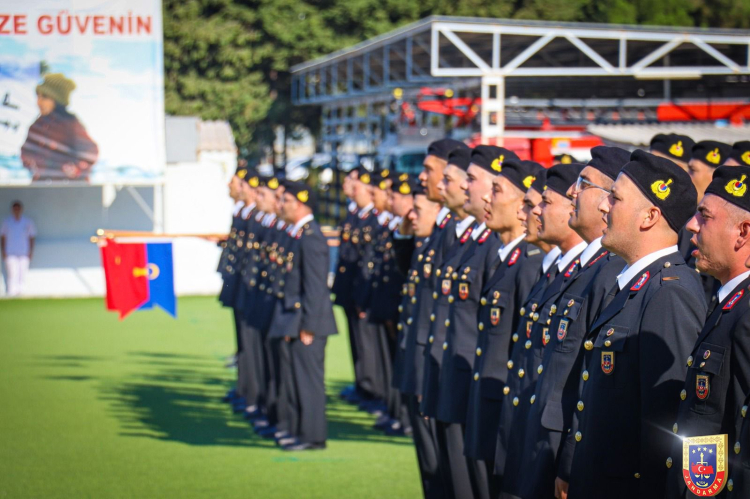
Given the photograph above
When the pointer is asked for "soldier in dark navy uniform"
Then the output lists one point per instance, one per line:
(636, 349)
(740, 154)
(499, 297)
(347, 261)
(576, 305)
(706, 156)
(534, 334)
(718, 368)
(303, 315)
(421, 291)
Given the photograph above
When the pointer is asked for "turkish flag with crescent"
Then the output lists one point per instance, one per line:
(126, 274)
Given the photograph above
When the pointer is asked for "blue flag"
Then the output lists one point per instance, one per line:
(160, 278)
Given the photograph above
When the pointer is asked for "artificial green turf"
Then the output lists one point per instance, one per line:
(94, 407)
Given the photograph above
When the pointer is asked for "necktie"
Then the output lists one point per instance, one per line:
(712, 305)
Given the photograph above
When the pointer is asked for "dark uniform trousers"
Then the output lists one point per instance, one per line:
(497, 319)
(634, 367)
(720, 360)
(522, 396)
(227, 270)
(474, 269)
(514, 381)
(556, 392)
(304, 305)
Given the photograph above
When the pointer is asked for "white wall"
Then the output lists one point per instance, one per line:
(66, 264)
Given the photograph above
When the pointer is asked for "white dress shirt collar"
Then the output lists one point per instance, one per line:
(550, 258)
(564, 261)
(366, 209)
(504, 251)
(729, 287)
(591, 250)
(302, 221)
(352, 207)
(247, 209)
(383, 217)
(441, 215)
(463, 225)
(478, 230)
(630, 271)
(237, 207)
(394, 223)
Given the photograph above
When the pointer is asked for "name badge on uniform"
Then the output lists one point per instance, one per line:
(445, 286)
(702, 386)
(529, 325)
(704, 464)
(494, 316)
(412, 289)
(562, 329)
(608, 362)
(427, 269)
(463, 290)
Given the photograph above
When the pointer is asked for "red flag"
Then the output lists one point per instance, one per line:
(125, 270)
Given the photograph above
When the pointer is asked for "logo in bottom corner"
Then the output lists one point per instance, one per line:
(704, 464)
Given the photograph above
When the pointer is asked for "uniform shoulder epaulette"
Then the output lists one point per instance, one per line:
(669, 272)
(533, 251)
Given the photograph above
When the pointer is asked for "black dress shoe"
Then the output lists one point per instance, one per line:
(230, 396)
(259, 424)
(304, 446)
(288, 440)
(268, 432)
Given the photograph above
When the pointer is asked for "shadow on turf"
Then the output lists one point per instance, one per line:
(177, 398)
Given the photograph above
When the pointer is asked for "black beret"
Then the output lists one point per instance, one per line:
(521, 173)
(491, 158)
(460, 158)
(252, 178)
(405, 184)
(673, 145)
(380, 177)
(443, 147)
(302, 192)
(540, 181)
(564, 159)
(609, 160)
(711, 152)
(665, 184)
(560, 177)
(741, 152)
(364, 175)
(729, 183)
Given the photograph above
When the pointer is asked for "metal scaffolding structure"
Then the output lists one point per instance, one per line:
(355, 86)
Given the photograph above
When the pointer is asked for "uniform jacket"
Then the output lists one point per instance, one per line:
(347, 261)
(718, 377)
(497, 318)
(474, 269)
(633, 367)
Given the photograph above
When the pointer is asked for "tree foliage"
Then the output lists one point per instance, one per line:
(230, 60)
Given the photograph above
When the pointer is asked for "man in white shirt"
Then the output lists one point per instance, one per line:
(17, 243)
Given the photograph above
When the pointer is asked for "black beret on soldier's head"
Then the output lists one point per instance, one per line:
(741, 152)
(301, 192)
(443, 147)
(520, 173)
(364, 175)
(540, 181)
(675, 146)
(405, 184)
(730, 184)
(711, 152)
(664, 184)
(609, 160)
(252, 178)
(380, 177)
(561, 177)
(460, 158)
(564, 159)
(491, 158)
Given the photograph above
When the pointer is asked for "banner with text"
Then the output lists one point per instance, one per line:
(81, 92)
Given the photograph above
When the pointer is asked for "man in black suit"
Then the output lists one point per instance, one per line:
(303, 315)
(718, 368)
(634, 363)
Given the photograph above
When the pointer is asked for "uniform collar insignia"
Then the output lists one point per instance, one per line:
(641, 281)
(483, 237)
(514, 257)
(467, 234)
(445, 221)
(592, 262)
(571, 268)
(731, 303)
